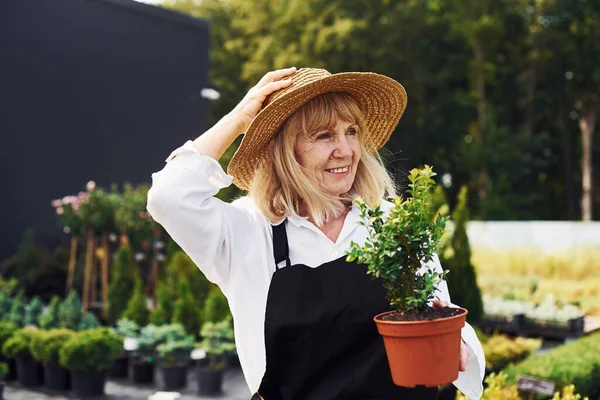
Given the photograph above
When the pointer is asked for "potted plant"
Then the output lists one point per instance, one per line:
(217, 343)
(174, 355)
(45, 348)
(142, 359)
(88, 355)
(7, 329)
(422, 343)
(29, 372)
(3, 372)
(127, 329)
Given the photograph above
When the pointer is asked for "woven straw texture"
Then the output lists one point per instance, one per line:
(381, 99)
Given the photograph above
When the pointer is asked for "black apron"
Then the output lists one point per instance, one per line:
(320, 338)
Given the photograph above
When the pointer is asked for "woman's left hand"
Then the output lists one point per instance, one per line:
(464, 351)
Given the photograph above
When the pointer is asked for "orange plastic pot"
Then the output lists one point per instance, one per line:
(423, 353)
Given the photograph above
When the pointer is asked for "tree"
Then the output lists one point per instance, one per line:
(17, 311)
(186, 310)
(69, 312)
(122, 282)
(163, 312)
(33, 312)
(216, 308)
(50, 318)
(137, 307)
(462, 280)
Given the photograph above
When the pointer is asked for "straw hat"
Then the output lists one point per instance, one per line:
(381, 99)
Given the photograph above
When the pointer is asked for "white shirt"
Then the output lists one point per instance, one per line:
(232, 244)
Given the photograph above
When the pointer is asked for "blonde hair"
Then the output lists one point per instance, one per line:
(279, 187)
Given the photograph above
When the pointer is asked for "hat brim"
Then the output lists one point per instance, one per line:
(381, 99)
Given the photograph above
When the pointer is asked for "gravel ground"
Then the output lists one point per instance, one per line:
(234, 388)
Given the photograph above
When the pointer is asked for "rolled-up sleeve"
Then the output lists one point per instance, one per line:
(470, 381)
(213, 233)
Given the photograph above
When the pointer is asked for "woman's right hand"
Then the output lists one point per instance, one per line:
(250, 105)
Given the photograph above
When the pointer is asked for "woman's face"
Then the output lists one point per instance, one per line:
(331, 156)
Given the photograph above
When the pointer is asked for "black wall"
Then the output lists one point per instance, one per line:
(90, 90)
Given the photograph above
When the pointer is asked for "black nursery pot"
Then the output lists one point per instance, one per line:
(141, 372)
(119, 368)
(88, 383)
(210, 382)
(56, 377)
(174, 377)
(29, 372)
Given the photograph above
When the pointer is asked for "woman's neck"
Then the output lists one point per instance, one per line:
(333, 225)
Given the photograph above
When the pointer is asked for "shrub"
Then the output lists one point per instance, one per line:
(19, 343)
(182, 266)
(456, 258)
(176, 345)
(575, 363)
(122, 282)
(50, 318)
(137, 308)
(186, 310)
(216, 307)
(69, 312)
(500, 351)
(17, 311)
(217, 342)
(94, 350)
(89, 321)
(46, 346)
(163, 313)
(5, 305)
(127, 328)
(33, 312)
(7, 329)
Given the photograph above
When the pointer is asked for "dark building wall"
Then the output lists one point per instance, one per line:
(97, 90)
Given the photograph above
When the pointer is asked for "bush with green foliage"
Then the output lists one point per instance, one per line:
(19, 344)
(181, 265)
(33, 312)
(5, 305)
(456, 258)
(216, 307)
(93, 350)
(50, 318)
(186, 310)
(163, 312)
(89, 321)
(175, 345)
(122, 282)
(45, 347)
(17, 311)
(575, 363)
(7, 329)
(218, 342)
(500, 351)
(127, 328)
(137, 307)
(69, 312)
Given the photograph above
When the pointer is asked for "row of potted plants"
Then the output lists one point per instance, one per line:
(546, 319)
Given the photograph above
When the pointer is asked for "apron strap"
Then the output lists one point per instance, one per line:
(281, 250)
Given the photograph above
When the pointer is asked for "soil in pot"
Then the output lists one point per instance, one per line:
(119, 367)
(210, 382)
(29, 372)
(141, 372)
(422, 352)
(174, 377)
(88, 383)
(56, 377)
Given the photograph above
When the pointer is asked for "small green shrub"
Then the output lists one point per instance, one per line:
(122, 282)
(176, 346)
(89, 321)
(216, 307)
(575, 363)
(5, 305)
(186, 311)
(137, 307)
(127, 328)
(218, 341)
(7, 329)
(45, 347)
(50, 318)
(94, 350)
(19, 343)
(500, 351)
(163, 313)
(17, 312)
(69, 312)
(33, 312)
(3, 370)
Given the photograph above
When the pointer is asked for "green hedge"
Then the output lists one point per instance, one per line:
(90, 350)
(19, 344)
(46, 346)
(575, 363)
(500, 351)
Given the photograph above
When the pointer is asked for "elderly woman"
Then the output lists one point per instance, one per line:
(302, 314)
